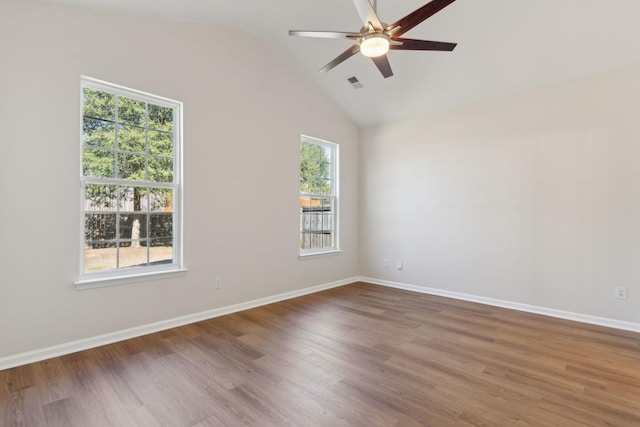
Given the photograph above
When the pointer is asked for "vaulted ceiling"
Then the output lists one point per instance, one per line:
(504, 46)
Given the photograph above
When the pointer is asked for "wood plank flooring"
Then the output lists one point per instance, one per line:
(358, 355)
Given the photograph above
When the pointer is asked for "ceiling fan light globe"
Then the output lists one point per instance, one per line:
(374, 45)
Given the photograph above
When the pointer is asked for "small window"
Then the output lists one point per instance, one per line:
(131, 186)
(318, 196)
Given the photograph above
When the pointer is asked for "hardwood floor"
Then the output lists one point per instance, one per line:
(359, 355)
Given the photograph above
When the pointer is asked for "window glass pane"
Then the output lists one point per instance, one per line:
(133, 199)
(99, 227)
(324, 170)
(316, 221)
(327, 155)
(305, 221)
(304, 150)
(98, 104)
(317, 186)
(315, 204)
(133, 228)
(305, 241)
(304, 184)
(131, 138)
(131, 166)
(161, 118)
(131, 111)
(161, 199)
(98, 133)
(327, 222)
(161, 225)
(99, 197)
(160, 169)
(160, 144)
(133, 256)
(133, 222)
(161, 251)
(305, 163)
(327, 204)
(305, 202)
(323, 186)
(315, 241)
(98, 163)
(100, 258)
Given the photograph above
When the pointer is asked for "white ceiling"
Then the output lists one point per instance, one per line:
(504, 46)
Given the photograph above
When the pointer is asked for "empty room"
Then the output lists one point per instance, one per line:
(305, 213)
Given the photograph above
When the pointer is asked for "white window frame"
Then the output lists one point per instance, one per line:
(334, 197)
(149, 272)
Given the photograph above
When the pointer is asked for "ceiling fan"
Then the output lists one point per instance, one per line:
(376, 38)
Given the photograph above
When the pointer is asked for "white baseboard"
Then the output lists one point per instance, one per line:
(584, 318)
(84, 344)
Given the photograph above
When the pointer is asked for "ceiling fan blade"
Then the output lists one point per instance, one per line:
(342, 57)
(367, 14)
(325, 34)
(382, 62)
(417, 16)
(411, 44)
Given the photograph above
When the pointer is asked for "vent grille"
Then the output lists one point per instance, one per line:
(355, 82)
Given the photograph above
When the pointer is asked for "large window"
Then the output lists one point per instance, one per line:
(131, 186)
(318, 196)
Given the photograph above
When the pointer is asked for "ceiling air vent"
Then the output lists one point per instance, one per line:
(355, 82)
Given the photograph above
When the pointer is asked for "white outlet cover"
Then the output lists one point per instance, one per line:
(621, 292)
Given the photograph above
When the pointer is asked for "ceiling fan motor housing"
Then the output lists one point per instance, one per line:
(374, 44)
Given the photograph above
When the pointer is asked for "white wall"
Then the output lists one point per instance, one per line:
(533, 199)
(244, 107)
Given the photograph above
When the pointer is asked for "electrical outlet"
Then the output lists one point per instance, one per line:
(385, 263)
(399, 265)
(621, 292)
(218, 282)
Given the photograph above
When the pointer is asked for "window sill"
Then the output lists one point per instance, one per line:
(100, 282)
(308, 255)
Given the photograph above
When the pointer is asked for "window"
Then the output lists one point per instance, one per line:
(131, 182)
(318, 196)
